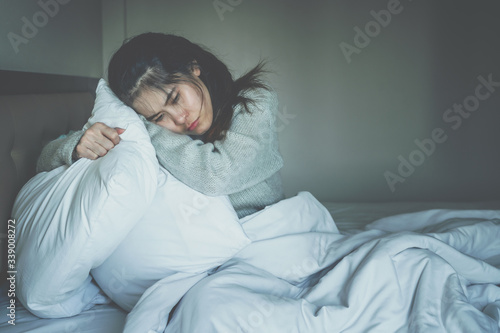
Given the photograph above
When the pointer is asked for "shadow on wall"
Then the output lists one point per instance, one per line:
(418, 101)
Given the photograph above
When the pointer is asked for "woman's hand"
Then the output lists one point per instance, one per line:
(97, 140)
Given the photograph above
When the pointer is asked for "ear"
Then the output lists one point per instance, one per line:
(195, 68)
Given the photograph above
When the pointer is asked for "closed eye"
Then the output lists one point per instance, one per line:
(176, 99)
(159, 118)
(172, 101)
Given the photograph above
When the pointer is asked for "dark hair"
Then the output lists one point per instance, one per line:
(152, 60)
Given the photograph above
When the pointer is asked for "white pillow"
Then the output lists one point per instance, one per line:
(71, 219)
(299, 214)
(184, 232)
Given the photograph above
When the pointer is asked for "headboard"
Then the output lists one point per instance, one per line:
(34, 109)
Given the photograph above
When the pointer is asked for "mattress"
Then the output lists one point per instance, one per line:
(109, 318)
(351, 216)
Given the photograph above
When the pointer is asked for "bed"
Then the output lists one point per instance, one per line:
(37, 108)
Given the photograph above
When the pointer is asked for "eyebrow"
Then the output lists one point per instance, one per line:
(169, 96)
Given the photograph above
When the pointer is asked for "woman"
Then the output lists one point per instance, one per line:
(213, 133)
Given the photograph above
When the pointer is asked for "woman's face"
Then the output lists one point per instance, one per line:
(180, 108)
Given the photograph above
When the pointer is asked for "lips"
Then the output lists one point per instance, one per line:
(193, 125)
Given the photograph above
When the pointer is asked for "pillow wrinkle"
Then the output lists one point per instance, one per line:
(71, 219)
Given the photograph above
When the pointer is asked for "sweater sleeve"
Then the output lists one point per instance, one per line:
(58, 152)
(248, 155)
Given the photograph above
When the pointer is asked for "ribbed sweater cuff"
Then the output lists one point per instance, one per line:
(67, 148)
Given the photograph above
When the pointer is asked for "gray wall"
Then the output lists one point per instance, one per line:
(348, 125)
(345, 126)
(63, 38)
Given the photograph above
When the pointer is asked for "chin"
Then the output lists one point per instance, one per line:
(202, 131)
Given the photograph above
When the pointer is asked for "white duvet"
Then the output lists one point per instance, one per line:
(300, 274)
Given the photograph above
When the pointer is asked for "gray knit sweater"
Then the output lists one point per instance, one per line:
(244, 165)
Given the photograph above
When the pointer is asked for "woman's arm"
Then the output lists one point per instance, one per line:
(58, 152)
(247, 155)
(92, 143)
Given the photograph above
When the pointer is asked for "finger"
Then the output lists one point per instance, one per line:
(93, 156)
(98, 145)
(84, 152)
(119, 130)
(101, 132)
(91, 140)
(112, 135)
(99, 150)
(104, 143)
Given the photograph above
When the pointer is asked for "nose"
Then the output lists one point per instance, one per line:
(179, 116)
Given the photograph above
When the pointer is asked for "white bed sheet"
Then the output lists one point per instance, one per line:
(110, 318)
(105, 318)
(300, 275)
